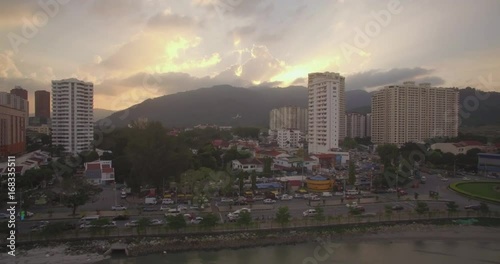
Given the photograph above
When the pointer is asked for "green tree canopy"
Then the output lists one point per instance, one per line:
(422, 208)
(209, 221)
(283, 215)
(388, 154)
(244, 219)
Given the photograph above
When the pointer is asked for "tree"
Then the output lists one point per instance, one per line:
(484, 208)
(422, 208)
(176, 222)
(143, 224)
(349, 143)
(320, 214)
(388, 154)
(244, 219)
(209, 221)
(76, 199)
(253, 177)
(283, 216)
(89, 156)
(452, 207)
(77, 192)
(352, 173)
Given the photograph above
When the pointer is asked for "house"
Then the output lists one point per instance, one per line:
(100, 172)
(221, 144)
(273, 154)
(248, 165)
(463, 147)
(287, 163)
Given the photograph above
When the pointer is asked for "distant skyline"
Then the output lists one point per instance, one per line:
(133, 50)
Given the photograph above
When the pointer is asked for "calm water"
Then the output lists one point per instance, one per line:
(411, 252)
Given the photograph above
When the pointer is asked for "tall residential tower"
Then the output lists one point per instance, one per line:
(414, 113)
(326, 113)
(288, 117)
(72, 115)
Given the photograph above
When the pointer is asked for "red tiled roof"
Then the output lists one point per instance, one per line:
(108, 170)
(93, 166)
(105, 166)
(295, 183)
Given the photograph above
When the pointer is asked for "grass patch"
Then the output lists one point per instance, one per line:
(482, 190)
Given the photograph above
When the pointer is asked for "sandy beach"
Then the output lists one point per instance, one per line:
(63, 254)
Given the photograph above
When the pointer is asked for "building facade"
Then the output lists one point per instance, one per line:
(355, 125)
(369, 125)
(414, 113)
(289, 138)
(42, 104)
(21, 92)
(326, 112)
(13, 111)
(72, 115)
(288, 117)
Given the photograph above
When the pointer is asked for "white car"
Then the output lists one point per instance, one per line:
(298, 195)
(327, 194)
(181, 207)
(391, 190)
(353, 204)
(466, 179)
(226, 200)
(167, 201)
(269, 201)
(310, 212)
(286, 197)
(164, 208)
(196, 220)
(155, 222)
(444, 179)
(118, 208)
(132, 223)
(315, 198)
(339, 194)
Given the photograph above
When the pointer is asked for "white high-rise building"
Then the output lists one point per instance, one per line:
(355, 125)
(73, 115)
(414, 113)
(288, 117)
(326, 113)
(289, 138)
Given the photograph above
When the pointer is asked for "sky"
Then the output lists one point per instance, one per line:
(133, 50)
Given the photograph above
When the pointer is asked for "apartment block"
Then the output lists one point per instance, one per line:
(13, 111)
(72, 115)
(414, 113)
(289, 138)
(288, 117)
(355, 125)
(42, 104)
(326, 112)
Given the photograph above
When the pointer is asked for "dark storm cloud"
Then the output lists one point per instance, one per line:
(376, 78)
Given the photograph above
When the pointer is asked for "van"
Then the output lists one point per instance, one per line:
(150, 200)
(89, 218)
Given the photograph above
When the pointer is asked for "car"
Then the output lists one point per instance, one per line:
(39, 226)
(155, 222)
(353, 204)
(327, 194)
(132, 223)
(118, 208)
(444, 179)
(402, 192)
(149, 209)
(226, 200)
(397, 207)
(298, 195)
(391, 190)
(111, 224)
(194, 207)
(309, 212)
(315, 198)
(269, 201)
(181, 207)
(167, 201)
(465, 179)
(350, 197)
(121, 218)
(338, 194)
(286, 197)
(475, 207)
(307, 196)
(258, 198)
(4, 216)
(196, 220)
(123, 196)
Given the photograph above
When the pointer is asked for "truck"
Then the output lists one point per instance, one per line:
(150, 200)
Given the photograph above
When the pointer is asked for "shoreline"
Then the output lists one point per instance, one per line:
(92, 251)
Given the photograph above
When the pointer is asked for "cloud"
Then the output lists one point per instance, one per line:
(8, 68)
(112, 9)
(167, 20)
(300, 81)
(377, 78)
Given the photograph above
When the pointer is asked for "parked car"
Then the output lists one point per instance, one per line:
(258, 198)
(155, 222)
(167, 201)
(310, 212)
(164, 208)
(315, 198)
(286, 197)
(465, 179)
(226, 200)
(132, 223)
(475, 207)
(194, 207)
(327, 194)
(444, 179)
(121, 218)
(269, 201)
(181, 207)
(353, 204)
(196, 220)
(118, 208)
(391, 190)
(397, 207)
(339, 194)
(298, 195)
